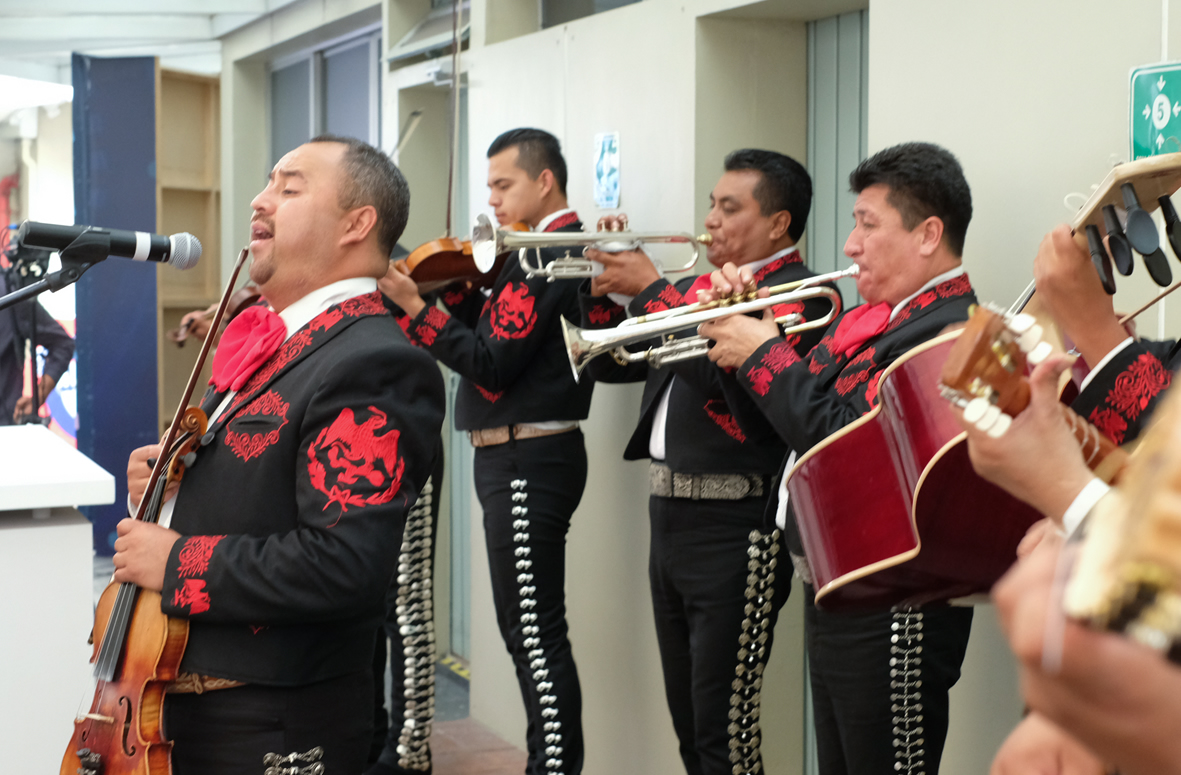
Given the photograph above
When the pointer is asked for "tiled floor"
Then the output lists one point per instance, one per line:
(459, 745)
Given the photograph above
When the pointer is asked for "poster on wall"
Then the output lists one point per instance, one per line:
(607, 170)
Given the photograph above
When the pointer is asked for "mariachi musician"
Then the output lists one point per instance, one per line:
(710, 556)
(868, 677)
(1038, 461)
(521, 406)
(279, 545)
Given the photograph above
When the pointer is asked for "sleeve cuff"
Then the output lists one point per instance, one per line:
(1082, 504)
(1106, 359)
(427, 325)
(599, 311)
(658, 296)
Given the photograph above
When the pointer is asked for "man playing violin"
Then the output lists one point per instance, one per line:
(1110, 693)
(910, 218)
(279, 545)
(716, 590)
(521, 406)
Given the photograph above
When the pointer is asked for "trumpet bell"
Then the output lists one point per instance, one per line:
(578, 347)
(484, 244)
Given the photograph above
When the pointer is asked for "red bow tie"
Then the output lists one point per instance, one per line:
(860, 325)
(248, 342)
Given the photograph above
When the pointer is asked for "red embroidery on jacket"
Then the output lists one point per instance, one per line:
(1109, 423)
(599, 315)
(513, 315)
(671, 296)
(436, 318)
(760, 379)
(957, 286)
(561, 220)
(489, 396)
(725, 420)
(287, 353)
(426, 335)
(654, 305)
(326, 319)
(349, 454)
(365, 304)
(248, 445)
(1138, 385)
(791, 258)
(192, 595)
(194, 555)
(871, 391)
(452, 298)
(781, 310)
(850, 379)
(779, 357)
(403, 321)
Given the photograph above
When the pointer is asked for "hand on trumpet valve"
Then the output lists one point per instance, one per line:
(728, 282)
(627, 272)
(735, 338)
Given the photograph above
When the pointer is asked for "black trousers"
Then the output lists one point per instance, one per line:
(231, 731)
(528, 490)
(879, 686)
(401, 738)
(717, 587)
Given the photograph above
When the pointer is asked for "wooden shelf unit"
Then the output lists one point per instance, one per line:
(188, 192)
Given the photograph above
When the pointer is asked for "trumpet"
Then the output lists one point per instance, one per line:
(583, 345)
(488, 242)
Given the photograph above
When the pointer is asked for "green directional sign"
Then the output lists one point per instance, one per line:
(1155, 123)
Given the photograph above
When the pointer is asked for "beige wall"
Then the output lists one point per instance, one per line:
(1033, 99)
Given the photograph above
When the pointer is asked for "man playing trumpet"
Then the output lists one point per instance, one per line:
(879, 678)
(716, 590)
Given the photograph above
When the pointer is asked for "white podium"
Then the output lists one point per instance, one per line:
(46, 592)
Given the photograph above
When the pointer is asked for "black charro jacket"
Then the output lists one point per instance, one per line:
(508, 348)
(292, 512)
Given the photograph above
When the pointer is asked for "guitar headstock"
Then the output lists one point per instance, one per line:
(1120, 209)
(985, 369)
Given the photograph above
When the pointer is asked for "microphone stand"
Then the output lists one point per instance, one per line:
(81, 254)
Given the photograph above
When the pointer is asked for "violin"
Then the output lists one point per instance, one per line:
(446, 260)
(246, 296)
(137, 648)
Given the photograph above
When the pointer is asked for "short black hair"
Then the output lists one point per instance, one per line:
(372, 178)
(537, 150)
(924, 180)
(784, 185)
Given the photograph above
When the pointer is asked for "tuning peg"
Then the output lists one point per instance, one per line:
(1030, 339)
(1158, 267)
(1140, 229)
(1000, 425)
(1100, 259)
(976, 409)
(1172, 224)
(1117, 241)
(1020, 323)
(1039, 353)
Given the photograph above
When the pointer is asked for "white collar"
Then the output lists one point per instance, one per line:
(547, 220)
(300, 313)
(755, 266)
(948, 275)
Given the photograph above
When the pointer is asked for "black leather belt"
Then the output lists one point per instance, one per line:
(667, 483)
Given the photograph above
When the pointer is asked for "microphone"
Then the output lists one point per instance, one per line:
(180, 250)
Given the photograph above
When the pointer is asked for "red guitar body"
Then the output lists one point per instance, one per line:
(889, 508)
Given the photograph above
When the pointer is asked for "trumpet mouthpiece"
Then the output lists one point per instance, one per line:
(706, 239)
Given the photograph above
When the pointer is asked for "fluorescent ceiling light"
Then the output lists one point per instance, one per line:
(18, 93)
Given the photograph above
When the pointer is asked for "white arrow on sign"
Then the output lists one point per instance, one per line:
(1147, 111)
(1160, 141)
(1160, 85)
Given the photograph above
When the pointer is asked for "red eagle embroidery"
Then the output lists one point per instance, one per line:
(671, 296)
(760, 379)
(248, 445)
(489, 396)
(724, 420)
(194, 555)
(192, 595)
(1138, 385)
(1109, 423)
(599, 315)
(349, 459)
(513, 315)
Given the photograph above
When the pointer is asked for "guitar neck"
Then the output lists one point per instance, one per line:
(1103, 457)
